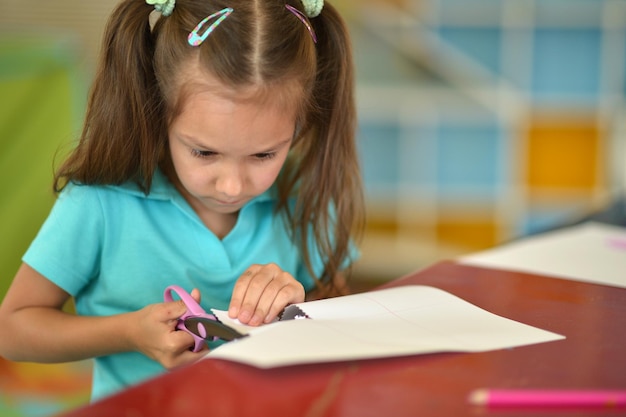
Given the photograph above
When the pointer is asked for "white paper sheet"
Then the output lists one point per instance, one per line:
(398, 321)
(590, 252)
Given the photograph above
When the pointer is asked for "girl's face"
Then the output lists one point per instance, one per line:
(227, 149)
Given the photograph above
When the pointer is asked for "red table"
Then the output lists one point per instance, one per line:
(593, 317)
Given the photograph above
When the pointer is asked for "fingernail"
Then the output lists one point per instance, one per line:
(244, 316)
(256, 320)
(232, 312)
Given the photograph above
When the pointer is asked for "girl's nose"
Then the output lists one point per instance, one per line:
(229, 181)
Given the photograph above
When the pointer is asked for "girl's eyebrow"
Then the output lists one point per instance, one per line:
(187, 138)
(275, 147)
(194, 143)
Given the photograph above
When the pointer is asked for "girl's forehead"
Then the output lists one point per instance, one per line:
(253, 99)
(287, 95)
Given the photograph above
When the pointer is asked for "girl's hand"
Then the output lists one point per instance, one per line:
(262, 292)
(154, 334)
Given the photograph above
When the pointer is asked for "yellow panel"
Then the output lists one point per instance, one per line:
(471, 234)
(563, 153)
(380, 224)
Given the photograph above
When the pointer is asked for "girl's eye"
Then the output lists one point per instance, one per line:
(265, 155)
(202, 154)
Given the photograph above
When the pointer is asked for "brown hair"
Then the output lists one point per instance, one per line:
(138, 90)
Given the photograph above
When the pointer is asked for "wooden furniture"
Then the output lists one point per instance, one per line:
(593, 317)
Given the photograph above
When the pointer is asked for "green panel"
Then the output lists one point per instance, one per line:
(37, 124)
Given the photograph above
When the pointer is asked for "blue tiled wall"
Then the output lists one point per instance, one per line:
(482, 44)
(566, 64)
(379, 155)
(468, 158)
(555, 56)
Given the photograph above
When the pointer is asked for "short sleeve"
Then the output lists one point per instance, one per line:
(67, 248)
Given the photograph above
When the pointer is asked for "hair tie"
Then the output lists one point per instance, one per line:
(313, 8)
(165, 7)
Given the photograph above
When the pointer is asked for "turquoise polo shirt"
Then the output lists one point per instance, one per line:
(115, 250)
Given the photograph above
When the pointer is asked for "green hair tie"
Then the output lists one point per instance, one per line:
(312, 8)
(165, 7)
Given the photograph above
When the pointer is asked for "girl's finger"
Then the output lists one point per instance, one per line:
(291, 293)
(240, 290)
(256, 291)
(195, 294)
(266, 302)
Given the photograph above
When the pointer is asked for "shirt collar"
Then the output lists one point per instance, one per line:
(163, 189)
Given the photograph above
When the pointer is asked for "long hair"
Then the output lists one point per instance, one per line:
(139, 88)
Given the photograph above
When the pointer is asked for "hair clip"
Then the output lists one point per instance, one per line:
(303, 19)
(194, 39)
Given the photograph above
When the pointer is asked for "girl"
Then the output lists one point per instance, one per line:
(218, 153)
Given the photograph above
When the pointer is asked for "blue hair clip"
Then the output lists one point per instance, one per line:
(194, 39)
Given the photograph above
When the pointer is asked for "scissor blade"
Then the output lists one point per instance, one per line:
(208, 329)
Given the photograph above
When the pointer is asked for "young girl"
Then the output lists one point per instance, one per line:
(218, 154)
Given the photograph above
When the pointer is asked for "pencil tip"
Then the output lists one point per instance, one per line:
(478, 397)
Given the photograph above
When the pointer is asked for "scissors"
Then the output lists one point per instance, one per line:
(197, 322)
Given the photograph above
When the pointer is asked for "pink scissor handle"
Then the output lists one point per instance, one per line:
(193, 309)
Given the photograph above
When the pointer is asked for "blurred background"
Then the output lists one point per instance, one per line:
(481, 121)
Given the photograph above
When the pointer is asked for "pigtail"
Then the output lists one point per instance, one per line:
(125, 117)
(329, 170)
